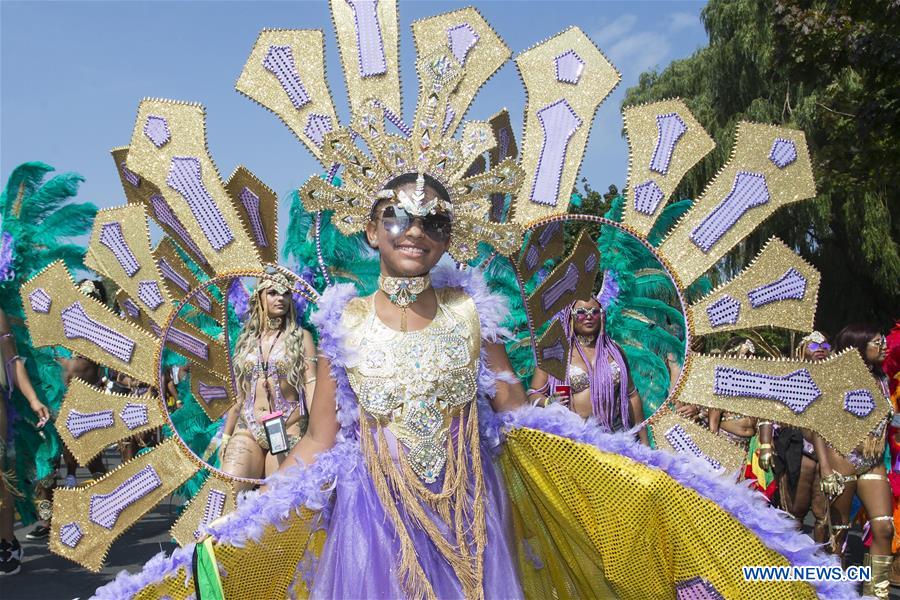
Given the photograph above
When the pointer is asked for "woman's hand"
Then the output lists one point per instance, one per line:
(42, 412)
(832, 485)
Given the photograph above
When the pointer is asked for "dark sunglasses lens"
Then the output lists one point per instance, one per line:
(437, 227)
(395, 219)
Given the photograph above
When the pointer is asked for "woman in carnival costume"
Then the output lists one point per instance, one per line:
(792, 456)
(862, 472)
(424, 473)
(598, 378)
(274, 367)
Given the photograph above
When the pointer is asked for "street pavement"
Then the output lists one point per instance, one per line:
(46, 576)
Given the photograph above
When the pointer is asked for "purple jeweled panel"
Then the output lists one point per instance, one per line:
(134, 415)
(790, 286)
(567, 284)
(748, 191)
(554, 352)
(724, 311)
(157, 130)
(78, 325)
(316, 128)
(647, 197)
(187, 342)
(129, 175)
(79, 423)
(250, 201)
(185, 178)
(683, 443)
(462, 38)
(106, 508)
(131, 308)
(150, 294)
(39, 300)
(795, 390)
(559, 123)
(369, 41)
(859, 403)
(215, 506)
(70, 534)
(697, 588)
(173, 275)
(569, 67)
(670, 128)
(279, 61)
(783, 153)
(112, 237)
(211, 393)
(165, 215)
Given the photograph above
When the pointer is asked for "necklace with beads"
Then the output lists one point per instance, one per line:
(403, 291)
(586, 341)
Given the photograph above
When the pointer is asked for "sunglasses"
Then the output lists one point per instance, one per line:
(397, 221)
(813, 346)
(582, 313)
(879, 344)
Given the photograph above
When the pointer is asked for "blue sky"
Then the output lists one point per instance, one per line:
(73, 73)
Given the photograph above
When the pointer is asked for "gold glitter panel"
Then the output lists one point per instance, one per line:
(201, 507)
(212, 403)
(571, 280)
(179, 586)
(722, 203)
(180, 129)
(262, 86)
(554, 336)
(167, 251)
(773, 262)
(128, 225)
(99, 418)
(142, 192)
(88, 519)
(644, 142)
(47, 328)
(826, 415)
(553, 247)
(728, 454)
(120, 298)
(604, 526)
(210, 354)
(243, 179)
(538, 69)
(480, 60)
(384, 86)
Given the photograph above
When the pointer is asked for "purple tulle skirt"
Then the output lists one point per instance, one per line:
(360, 554)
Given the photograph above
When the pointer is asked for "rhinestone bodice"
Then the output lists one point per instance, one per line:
(415, 382)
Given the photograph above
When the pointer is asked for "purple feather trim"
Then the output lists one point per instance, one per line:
(303, 486)
(126, 585)
(7, 246)
(773, 527)
(239, 299)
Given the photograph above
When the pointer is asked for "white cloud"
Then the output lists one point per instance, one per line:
(615, 30)
(682, 20)
(637, 53)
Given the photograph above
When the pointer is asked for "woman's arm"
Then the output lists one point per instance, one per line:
(323, 424)
(510, 394)
(21, 380)
(764, 432)
(309, 355)
(637, 415)
(537, 395)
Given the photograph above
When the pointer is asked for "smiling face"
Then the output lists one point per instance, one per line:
(407, 252)
(276, 304)
(876, 350)
(588, 317)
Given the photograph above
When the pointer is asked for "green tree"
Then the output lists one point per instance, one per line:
(831, 69)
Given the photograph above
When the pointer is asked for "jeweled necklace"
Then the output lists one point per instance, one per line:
(586, 341)
(274, 323)
(403, 291)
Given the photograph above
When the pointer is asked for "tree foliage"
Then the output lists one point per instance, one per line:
(831, 69)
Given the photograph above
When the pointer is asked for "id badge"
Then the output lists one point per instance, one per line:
(275, 432)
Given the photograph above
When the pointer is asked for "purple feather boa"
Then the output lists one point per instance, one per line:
(126, 585)
(773, 527)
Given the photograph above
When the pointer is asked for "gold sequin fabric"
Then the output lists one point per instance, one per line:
(415, 382)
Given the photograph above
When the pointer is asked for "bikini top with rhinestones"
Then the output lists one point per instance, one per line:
(414, 383)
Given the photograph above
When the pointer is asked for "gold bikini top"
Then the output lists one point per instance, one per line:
(414, 383)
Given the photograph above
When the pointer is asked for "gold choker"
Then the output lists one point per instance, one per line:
(403, 291)
(274, 323)
(586, 341)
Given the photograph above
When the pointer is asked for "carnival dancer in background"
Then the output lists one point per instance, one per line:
(275, 368)
(790, 453)
(597, 383)
(12, 376)
(862, 472)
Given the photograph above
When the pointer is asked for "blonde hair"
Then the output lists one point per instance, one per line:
(248, 340)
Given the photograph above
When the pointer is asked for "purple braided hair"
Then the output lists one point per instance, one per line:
(602, 386)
